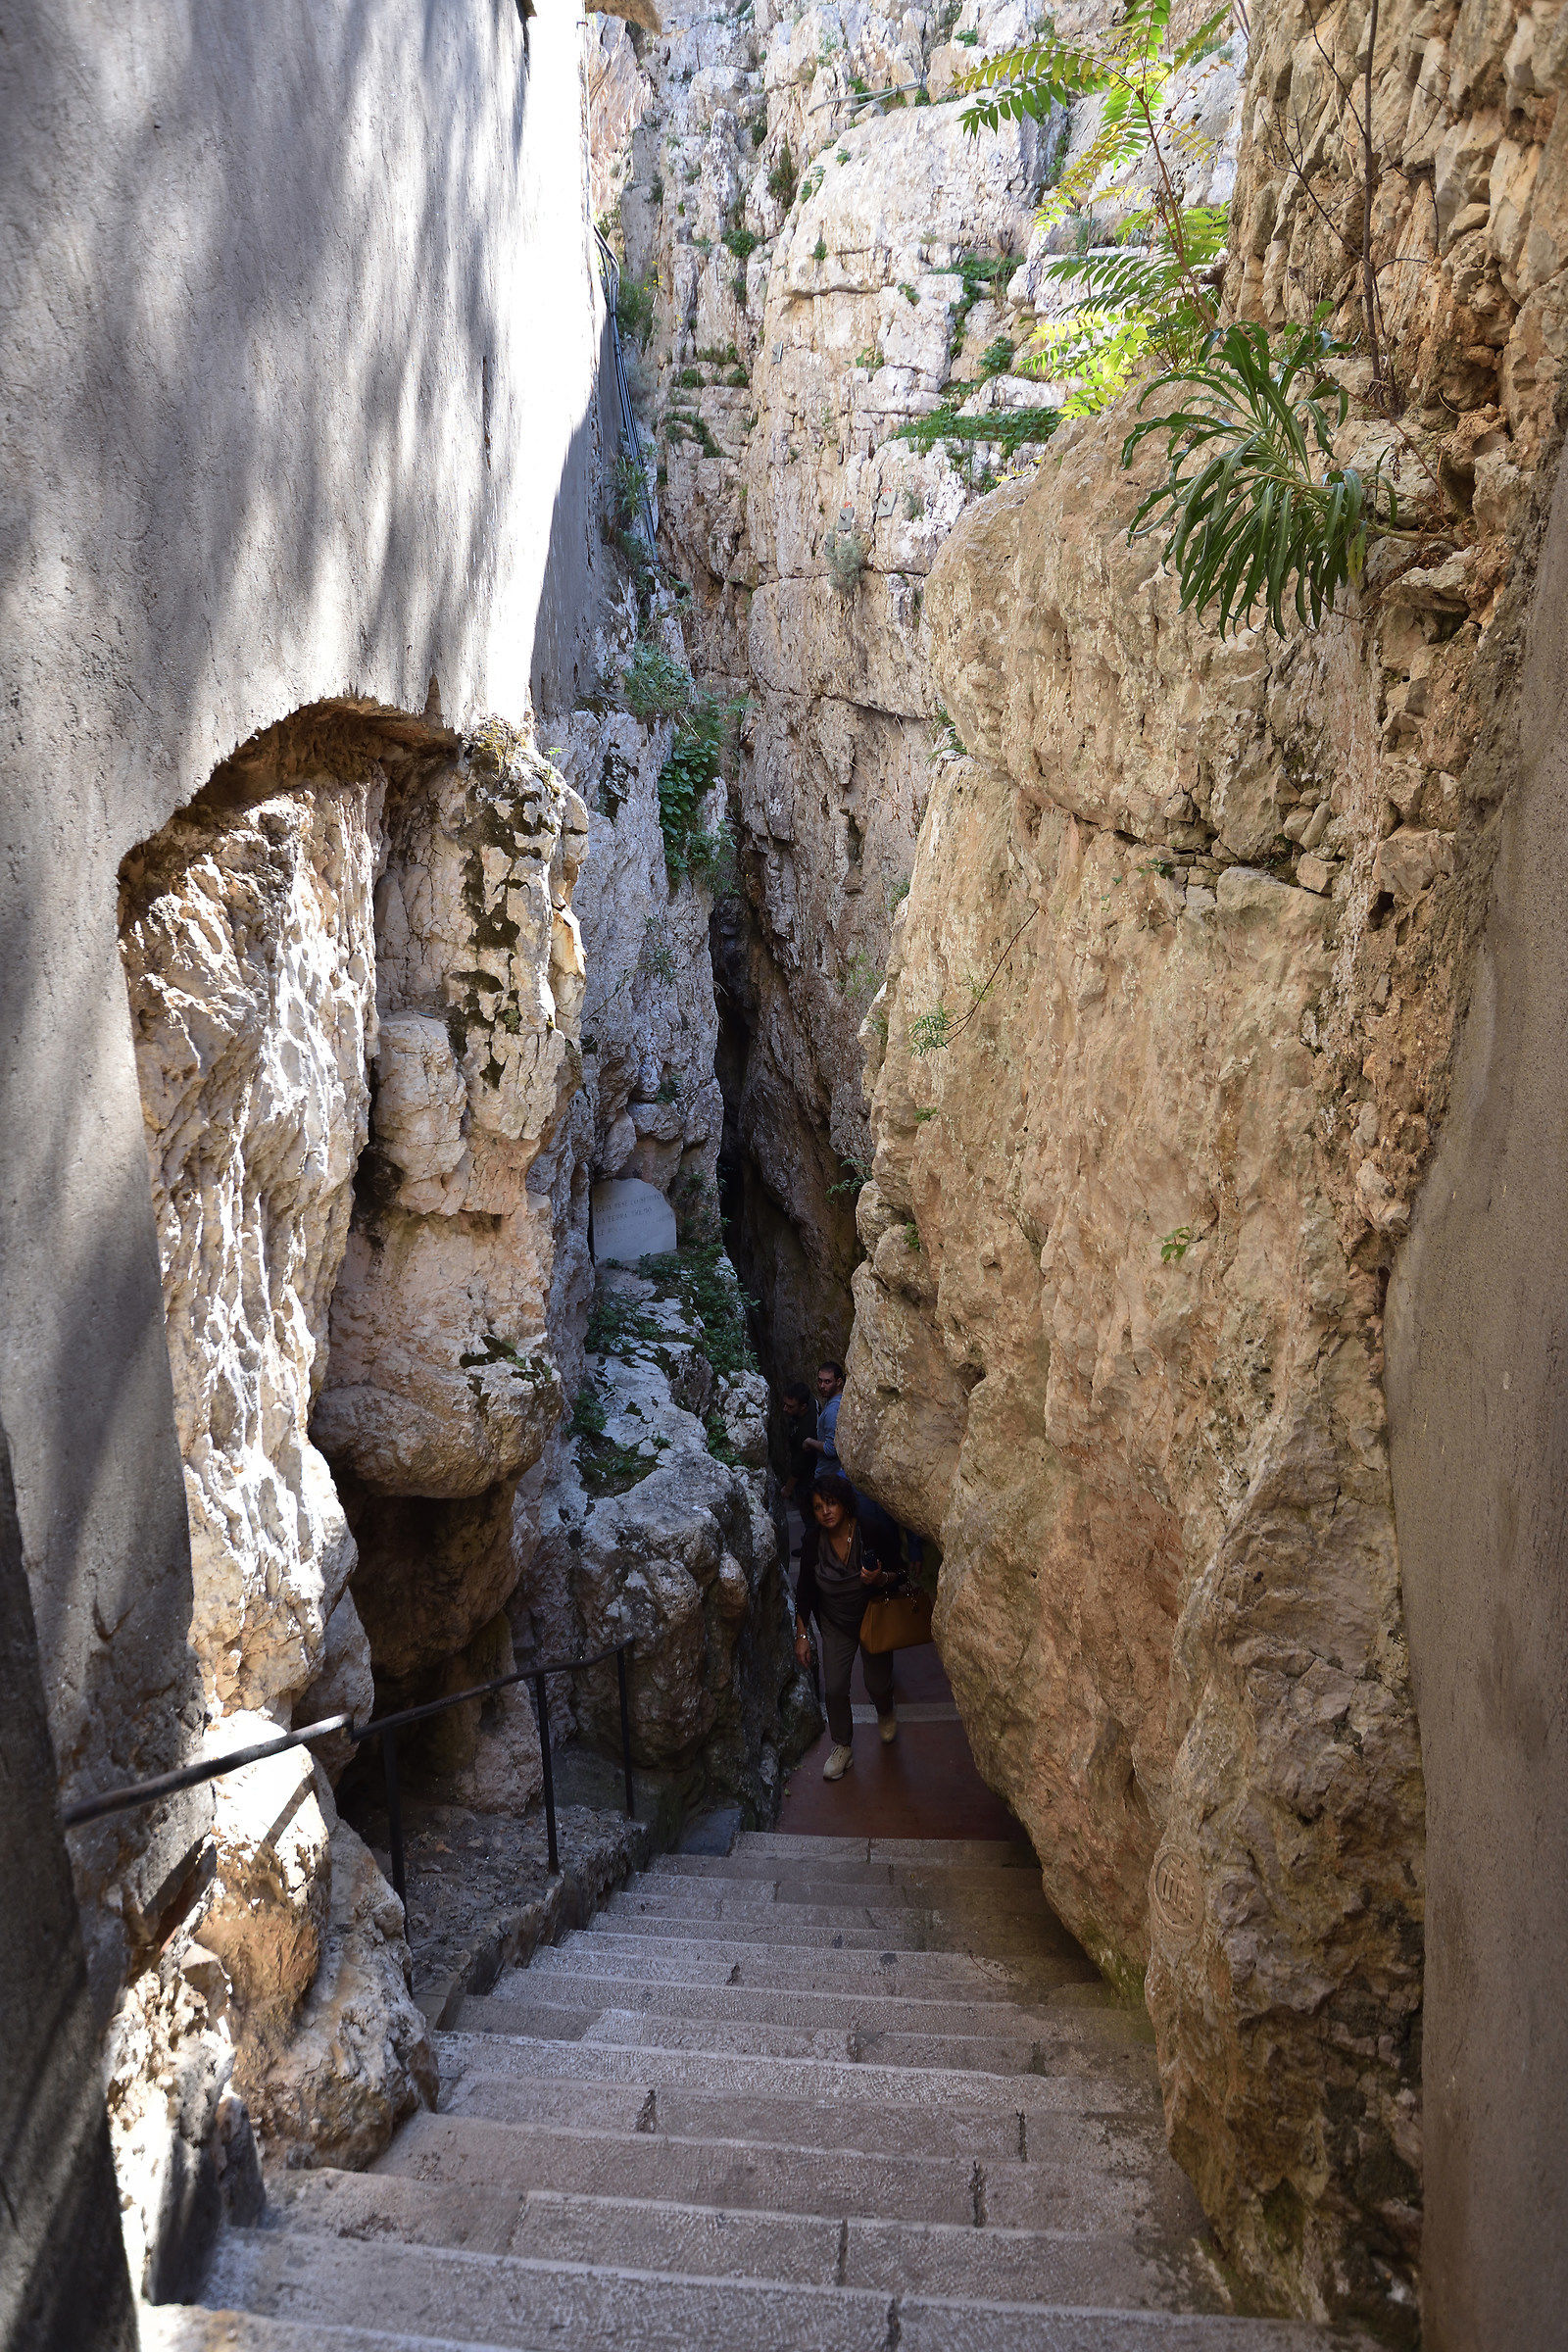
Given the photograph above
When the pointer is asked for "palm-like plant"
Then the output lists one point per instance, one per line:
(1151, 292)
(1253, 497)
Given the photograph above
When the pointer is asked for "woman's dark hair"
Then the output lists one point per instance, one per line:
(798, 1392)
(834, 1489)
(828, 1365)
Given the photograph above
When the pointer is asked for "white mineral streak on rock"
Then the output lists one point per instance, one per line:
(250, 962)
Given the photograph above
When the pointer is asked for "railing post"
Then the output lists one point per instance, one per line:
(543, 1705)
(394, 1820)
(625, 1732)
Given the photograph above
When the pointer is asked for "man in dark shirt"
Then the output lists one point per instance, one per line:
(829, 1391)
(797, 1403)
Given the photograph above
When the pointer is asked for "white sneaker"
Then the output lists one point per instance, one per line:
(838, 1764)
(888, 1726)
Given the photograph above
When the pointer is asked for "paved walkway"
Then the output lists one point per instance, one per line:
(924, 1786)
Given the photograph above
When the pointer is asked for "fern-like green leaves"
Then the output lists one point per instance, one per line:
(1253, 498)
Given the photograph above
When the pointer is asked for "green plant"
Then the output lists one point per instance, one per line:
(656, 187)
(1156, 291)
(922, 1117)
(739, 381)
(690, 378)
(910, 293)
(1254, 496)
(694, 767)
(704, 1282)
(842, 154)
(740, 288)
(655, 952)
(655, 685)
(968, 39)
(634, 309)
(1005, 429)
(588, 1413)
(1175, 1245)
(854, 1182)
(784, 177)
(846, 553)
(859, 975)
(912, 1236)
(930, 1031)
(668, 1089)
(742, 242)
(997, 358)
(820, 250)
(631, 488)
(704, 245)
(871, 359)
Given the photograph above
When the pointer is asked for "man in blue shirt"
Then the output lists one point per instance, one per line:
(830, 1391)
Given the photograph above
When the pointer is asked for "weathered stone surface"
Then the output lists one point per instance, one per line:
(250, 960)
(441, 1380)
(642, 1535)
(360, 2057)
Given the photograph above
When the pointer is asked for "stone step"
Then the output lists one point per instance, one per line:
(916, 1928)
(714, 1960)
(824, 1930)
(909, 2088)
(930, 1853)
(954, 2259)
(1010, 1891)
(869, 2010)
(505, 2301)
(192, 2327)
(592, 1962)
(1110, 2187)
(638, 2029)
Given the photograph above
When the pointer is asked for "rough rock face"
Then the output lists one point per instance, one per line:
(440, 1381)
(248, 946)
(648, 1515)
(250, 960)
(826, 273)
(1164, 1044)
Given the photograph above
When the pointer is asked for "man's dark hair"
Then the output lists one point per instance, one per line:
(828, 1365)
(834, 1489)
(797, 1392)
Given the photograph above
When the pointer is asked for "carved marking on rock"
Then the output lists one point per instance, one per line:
(1176, 1898)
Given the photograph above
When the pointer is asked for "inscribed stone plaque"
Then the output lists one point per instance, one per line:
(631, 1220)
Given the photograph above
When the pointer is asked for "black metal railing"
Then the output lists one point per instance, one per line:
(386, 1728)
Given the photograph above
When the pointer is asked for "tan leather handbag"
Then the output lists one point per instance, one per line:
(902, 1621)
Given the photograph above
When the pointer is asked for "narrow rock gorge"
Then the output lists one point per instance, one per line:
(1158, 944)
(501, 755)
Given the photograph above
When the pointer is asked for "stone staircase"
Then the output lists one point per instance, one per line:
(818, 2093)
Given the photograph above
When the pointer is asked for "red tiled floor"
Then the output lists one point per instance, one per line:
(923, 1786)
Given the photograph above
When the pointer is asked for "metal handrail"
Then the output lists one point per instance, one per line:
(610, 274)
(386, 1728)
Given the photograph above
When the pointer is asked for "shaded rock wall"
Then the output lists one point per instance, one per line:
(328, 471)
(1199, 922)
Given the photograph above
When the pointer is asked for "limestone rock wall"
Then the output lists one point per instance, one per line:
(1196, 923)
(650, 1514)
(804, 251)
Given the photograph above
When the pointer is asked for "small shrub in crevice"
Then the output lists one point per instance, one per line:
(846, 553)
(706, 1284)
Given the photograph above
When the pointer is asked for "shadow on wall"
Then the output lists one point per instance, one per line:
(278, 431)
(60, 2246)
